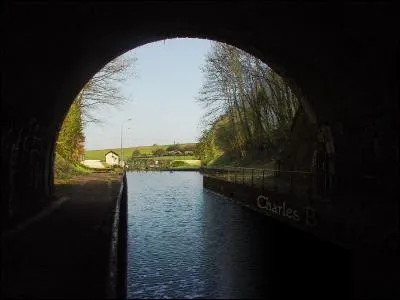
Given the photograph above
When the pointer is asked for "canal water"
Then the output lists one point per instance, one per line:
(187, 242)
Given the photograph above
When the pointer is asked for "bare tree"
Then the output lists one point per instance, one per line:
(256, 104)
(105, 87)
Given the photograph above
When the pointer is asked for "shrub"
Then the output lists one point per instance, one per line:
(178, 163)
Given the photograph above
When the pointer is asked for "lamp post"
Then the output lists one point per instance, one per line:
(122, 156)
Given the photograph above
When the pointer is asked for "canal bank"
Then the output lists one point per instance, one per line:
(299, 212)
(375, 265)
(351, 221)
(64, 251)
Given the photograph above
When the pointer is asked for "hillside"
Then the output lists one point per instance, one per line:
(100, 154)
(297, 154)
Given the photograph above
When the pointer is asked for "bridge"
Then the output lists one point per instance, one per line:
(342, 60)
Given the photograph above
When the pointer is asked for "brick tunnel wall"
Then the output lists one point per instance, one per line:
(27, 168)
(345, 66)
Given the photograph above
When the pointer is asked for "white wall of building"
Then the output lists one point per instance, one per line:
(112, 158)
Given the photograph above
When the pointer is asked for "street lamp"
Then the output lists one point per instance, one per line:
(122, 155)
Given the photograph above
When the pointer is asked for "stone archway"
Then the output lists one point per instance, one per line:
(342, 60)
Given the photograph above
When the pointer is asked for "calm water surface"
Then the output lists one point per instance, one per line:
(186, 242)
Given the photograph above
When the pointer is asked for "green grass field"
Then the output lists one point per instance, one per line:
(100, 154)
(192, 162)
(172, 157)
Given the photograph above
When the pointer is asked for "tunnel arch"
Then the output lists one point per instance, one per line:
(332, 54)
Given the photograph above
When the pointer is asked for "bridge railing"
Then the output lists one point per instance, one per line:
(117, 273)
(302, 183)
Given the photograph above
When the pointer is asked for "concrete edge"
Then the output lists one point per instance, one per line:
(337, 243)
(112, 275)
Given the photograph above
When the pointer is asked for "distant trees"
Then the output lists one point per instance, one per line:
(182, 148)
(159, 152)
(174, 147)
(136, 153)
(249, 107)
(189, 147)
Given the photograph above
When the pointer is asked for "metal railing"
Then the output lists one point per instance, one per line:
(302, 183)
(117, 273)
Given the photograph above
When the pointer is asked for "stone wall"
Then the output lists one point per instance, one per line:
(349, 225)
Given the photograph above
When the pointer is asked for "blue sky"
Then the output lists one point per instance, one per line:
(161, 98)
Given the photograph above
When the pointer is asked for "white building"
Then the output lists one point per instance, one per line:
(112, 158)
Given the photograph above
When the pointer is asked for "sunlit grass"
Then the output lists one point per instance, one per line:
(65, 170)
(172, 157)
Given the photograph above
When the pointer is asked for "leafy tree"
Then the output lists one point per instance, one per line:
(136, 153)
(206, 147)
(189, 147)
(159, 152)
(174, 147)
(70, 143)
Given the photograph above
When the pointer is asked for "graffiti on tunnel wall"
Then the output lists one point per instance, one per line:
(23, 159)
(323, 162)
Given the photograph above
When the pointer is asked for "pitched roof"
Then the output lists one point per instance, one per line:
(111, 152)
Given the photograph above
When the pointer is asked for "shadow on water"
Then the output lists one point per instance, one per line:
(261, 258)
(186, 242)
